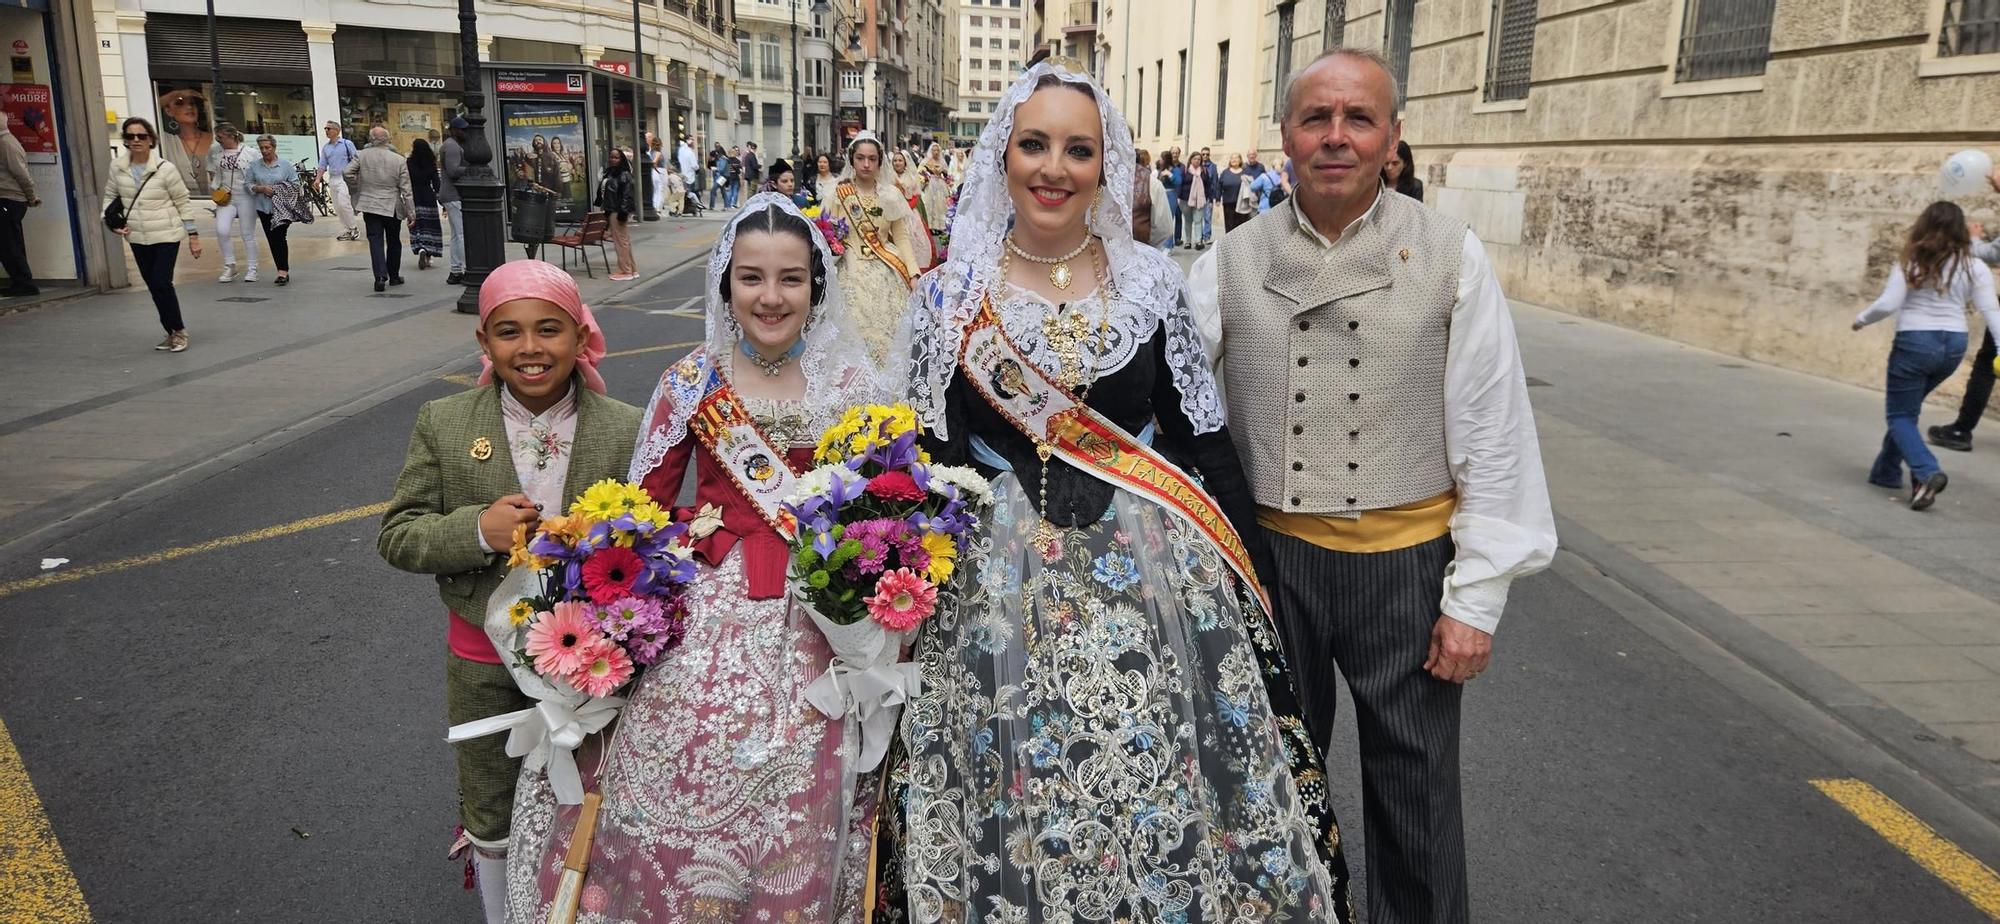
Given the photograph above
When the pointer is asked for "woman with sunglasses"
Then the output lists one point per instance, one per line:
(158, 216)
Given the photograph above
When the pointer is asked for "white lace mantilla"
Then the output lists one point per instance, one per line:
(1148, 284)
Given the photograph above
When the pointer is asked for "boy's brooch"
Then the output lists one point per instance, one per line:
(482, 449)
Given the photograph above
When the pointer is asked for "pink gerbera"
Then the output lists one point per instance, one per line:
(605, 667)
(557, 638)
(902, 600)
(609, 574)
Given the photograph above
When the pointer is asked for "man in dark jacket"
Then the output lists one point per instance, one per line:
(753, 170)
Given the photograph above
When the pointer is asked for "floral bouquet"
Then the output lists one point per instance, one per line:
(594, 596)
(833, 228)
(880, 529)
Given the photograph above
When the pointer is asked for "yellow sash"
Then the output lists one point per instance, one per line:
(870, 235)
(1062, 426)
(761, 472)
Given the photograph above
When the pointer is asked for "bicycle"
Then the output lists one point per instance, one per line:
(312, 190)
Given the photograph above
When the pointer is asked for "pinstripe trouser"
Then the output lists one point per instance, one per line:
(1372, 615)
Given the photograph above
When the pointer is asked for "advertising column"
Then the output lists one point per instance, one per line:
(542, 133)
(29, 100)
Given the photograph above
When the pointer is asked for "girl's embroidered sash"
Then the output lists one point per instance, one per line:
(1070, 430)
(762, 473)
(870, 234)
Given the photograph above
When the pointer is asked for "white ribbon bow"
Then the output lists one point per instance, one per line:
(547, 734)
(873, 693)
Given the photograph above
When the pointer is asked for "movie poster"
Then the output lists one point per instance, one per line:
(31, 119)
(545, 148)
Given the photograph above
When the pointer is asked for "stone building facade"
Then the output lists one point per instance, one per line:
(1740, 182)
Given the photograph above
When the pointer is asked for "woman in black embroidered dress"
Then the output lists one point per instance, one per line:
(1106, 729)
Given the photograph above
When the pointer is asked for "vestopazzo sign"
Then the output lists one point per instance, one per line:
(402, 81)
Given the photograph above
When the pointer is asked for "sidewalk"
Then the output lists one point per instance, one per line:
(1735, 495)
(96, 412)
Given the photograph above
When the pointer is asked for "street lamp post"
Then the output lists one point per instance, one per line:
(480, 188)
(796, 116)
(215, 107)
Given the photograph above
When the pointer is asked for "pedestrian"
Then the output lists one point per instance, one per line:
(426, 233)
(1239, 203)
(886, 246)
(1928, 289)
(17, 196)
(272, 179)
(1377, 397)
(381, 187)
(1170, 179)
(157, 216)
(230, 191)
(451, 168)
(690, 167)
(753, 169)
(718, 176)
(656, 161)
(825, 176)
(334, 157)
(1957, 435)
(1400, 173)
(482, 464)
(618, 196)
(1264, 187)
(1142, 198)
(1198, 186)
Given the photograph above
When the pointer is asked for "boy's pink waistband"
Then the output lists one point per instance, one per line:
(469, 641)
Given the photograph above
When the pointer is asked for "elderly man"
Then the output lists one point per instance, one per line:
(334, 156)
(382, 195)
(17, 195)
(1376, 394)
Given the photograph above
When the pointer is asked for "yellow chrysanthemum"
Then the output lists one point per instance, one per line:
(651, 514)
(607, 499)
(566, 529)
(944, 556)
(520, 612)
(518, 555)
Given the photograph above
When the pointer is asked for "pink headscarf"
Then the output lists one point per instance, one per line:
(536, 279)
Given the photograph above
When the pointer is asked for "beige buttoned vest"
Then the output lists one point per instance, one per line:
(1335, 357)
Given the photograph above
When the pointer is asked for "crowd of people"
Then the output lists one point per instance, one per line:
(1119, 717)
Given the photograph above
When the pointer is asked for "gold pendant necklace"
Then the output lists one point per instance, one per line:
(1059, 274)
(1075, 371)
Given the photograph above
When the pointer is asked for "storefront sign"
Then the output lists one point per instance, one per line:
(30, 116)
(621, 68)
(405, 82)
(539, 83)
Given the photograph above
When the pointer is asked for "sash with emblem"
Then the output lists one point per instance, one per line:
(871, 235)
(760, 471)
(1068, 429)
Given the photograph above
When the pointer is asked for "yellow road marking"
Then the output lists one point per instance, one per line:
(53, 578)
(36, 885)
(1944, 859)
(466, 379)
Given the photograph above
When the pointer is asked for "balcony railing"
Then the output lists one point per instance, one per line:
(1082, 17)
(1971, 27)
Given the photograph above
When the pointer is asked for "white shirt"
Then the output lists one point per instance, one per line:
(540, 446)
(1930, 309)
(1503, 527)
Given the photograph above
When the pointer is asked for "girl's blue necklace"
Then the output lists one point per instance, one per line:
(772, 367)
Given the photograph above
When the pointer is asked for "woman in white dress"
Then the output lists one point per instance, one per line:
(935, 190)
(1107, 730)
(727, 797)
(885, 247)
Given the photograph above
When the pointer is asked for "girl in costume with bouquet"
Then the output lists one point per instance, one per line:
(483, 467)
(726, 795)
(886, 245)
(1106, 728)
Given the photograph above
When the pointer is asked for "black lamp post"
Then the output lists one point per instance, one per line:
(480, 189)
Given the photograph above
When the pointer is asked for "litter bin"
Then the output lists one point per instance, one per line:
(532, 215)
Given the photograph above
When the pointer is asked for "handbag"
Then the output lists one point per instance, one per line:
(114, 214)
(1246, 198)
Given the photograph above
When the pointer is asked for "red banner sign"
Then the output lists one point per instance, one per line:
(621, 68)
(539, 83)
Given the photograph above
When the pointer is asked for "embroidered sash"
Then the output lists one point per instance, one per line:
(761, 472)
(870, 235)
(1062, 426)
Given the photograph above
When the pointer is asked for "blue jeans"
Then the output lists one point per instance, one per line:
(729, 195)
(1174, 206)
(1192, 217)
(1918, 363)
